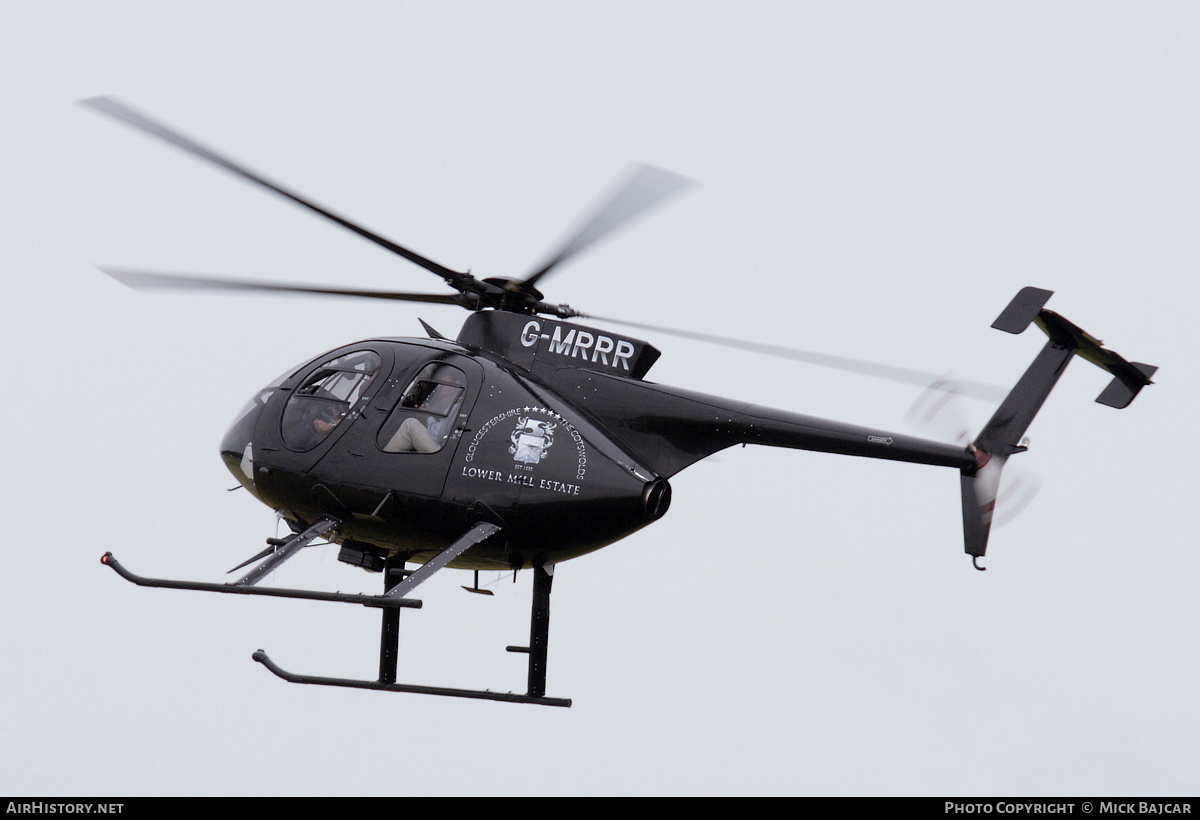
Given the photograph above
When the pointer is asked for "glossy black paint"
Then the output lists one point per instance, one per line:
(568, 450)
(580, 492)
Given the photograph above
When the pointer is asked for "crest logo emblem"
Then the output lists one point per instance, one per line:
(528, 445)
(531, 439)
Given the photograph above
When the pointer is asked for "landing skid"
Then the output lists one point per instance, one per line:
(109, 560)
(397, 582)
(508, 697)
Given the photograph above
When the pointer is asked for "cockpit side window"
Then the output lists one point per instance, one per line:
(425, 415)
(326, 397)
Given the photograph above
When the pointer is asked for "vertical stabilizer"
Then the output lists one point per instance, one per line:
(1001, 436)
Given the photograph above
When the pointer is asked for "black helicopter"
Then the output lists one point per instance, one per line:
(529, 440)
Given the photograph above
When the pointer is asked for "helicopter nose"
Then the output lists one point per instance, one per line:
(237, 448)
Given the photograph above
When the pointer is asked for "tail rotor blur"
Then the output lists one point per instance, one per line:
(941, 413)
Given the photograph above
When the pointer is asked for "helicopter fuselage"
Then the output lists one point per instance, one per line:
(529, 441)
(409, 442)
(511, 452)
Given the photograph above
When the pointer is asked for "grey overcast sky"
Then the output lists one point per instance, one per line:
(878, 179)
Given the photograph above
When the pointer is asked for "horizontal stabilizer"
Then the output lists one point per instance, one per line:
(1122, 389)
(1129, 377)
(1022, 310)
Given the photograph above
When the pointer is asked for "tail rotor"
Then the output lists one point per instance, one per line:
(941, 412)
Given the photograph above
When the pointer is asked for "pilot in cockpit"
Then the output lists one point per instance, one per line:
(328, 418)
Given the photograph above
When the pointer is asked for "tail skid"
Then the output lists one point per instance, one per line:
(1002, 435)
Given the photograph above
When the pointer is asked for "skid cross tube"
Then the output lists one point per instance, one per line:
(397, 580)
(389, 633)
(286, 550)
(389, 639)
(539, 630)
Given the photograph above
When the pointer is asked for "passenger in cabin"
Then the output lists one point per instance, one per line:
(412, 437)
(415, 437)
(431, 403)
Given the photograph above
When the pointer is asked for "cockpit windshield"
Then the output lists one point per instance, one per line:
(326, 397)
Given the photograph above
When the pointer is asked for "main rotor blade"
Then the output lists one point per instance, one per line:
(645, 187)
(149, 279)
(118, 110)
(976, 390)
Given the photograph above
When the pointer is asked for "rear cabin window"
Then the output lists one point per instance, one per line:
(319, 405)
(426, 413)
